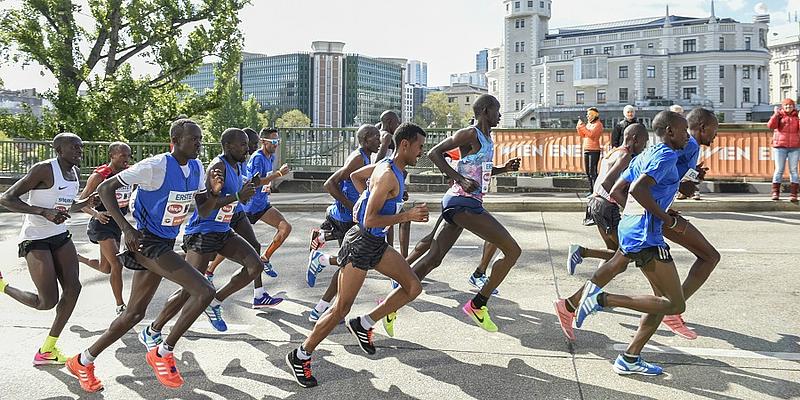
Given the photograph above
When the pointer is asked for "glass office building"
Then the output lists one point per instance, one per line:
(371, 87)
(280, 83)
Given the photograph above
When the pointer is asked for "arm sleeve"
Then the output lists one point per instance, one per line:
(659, 166)
(595, 132)
(202, 185)
(774, 121)
(141, 173)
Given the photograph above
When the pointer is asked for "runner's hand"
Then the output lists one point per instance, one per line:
(513, 164)
(132, 238)
(103, 217)
(405, 196)
(681, 226)
(55, 216)
(701, 170)
(247, 191)
(216, 182)
(468, 184)
(284, 169)
(418, 213)
(673, 213)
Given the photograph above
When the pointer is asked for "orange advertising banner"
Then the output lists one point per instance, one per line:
(733, 154)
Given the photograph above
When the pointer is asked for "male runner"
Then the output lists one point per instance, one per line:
(45, 243)
(389, 123)
(339, 216)
(703, 127)
(102, 229)
(462, 208)
(168, 184)
(365, 248)
(604, 211)
(258, 207)
(654, 181)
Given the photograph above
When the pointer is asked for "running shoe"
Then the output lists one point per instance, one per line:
(364, 336)
(210, 278)
(214, 314)
(480, 282)
(588, 305)
(395, 285)
(314, 267)
(565, 318)
(388, 323)
(165, 369)
(314, 315)
(150, 339)
(479, 316)
(317, 240)
(268, 269)
(49, 358)
(266, 301)
(301, 370)
(573, 258)
(85, 374)
(120, 309)
(640, 367)
(676, 324)
(697, 196)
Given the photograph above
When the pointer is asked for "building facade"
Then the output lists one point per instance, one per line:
(203, 80)
(416, 73)
(549, 77)
(372, 86)
(280, 83)
(464, 95)
(469, 78)
(21, 102)
(482, 61)
(784, 70)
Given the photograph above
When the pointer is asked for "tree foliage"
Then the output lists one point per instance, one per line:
(436, 109)
(97, 95)
(293, 119)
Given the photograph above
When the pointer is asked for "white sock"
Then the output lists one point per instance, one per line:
(86, 358)
(366, 322)
(301, 354)
(325, 260)
(259, 292)
(322, 306)
(215, 302)
(164, 349)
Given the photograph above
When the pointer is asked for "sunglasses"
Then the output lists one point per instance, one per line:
(272, 141)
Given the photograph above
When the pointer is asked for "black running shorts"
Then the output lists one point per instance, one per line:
(204, 243)
(50, 244)
(152, 247)
(336, 230)
(98, 232)
(361, 248)
(604, 213)
(646, 256)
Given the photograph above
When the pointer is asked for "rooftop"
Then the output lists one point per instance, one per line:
(630, 25)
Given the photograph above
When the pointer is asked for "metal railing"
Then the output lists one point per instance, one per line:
(304, 149)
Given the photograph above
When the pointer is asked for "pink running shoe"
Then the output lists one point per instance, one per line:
(565, 318)
(675, 324)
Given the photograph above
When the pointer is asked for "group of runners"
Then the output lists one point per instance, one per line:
(219, 205)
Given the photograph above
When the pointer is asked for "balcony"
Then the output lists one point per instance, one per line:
(590, 71)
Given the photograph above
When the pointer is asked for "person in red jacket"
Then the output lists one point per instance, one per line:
(591, 132)
(785, 146)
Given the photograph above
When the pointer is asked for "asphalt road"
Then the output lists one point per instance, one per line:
(749, 344)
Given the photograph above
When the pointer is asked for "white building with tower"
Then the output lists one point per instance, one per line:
(548, 77)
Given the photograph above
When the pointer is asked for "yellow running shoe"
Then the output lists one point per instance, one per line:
(480, 316)
(388, 323)
(49, 357)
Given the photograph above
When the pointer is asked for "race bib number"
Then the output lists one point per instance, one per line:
(691, 176)
(225, 213)
(267, 188)
(178, 205)
(486, 176)
(124, 196)
(63, 204)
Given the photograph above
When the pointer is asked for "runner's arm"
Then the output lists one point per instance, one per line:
(640, 190)
(35, 177)
(360, 177)
(386, 140)
(615, 171)
(332, 183)
(436, 154)
(91, 186)
(619, 192)
(207, 200)
(107, 190)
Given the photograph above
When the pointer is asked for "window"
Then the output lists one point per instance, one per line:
(608, 50)
(517, 105)
(580, 97)
(601, 96)
(688, 92)
(588, 52)
(516, 68)
(721, 43)
(746, 72)
(785, 94)
(467, 100)
(758, 73)
(747, 40)
(494, 64)
(689, 45)
(623, 95)
(651, 92)
(560, 75)
(748, 116)
(541, 4)
(522, 87)
(758, 96)
(516, 23)
(689, 73)
(650, 45)
(516, 5)
(541, 98)
(530, 4)
(746, 95)
(541, 78)
(516, 47)
(786, 80)
(627, 46)
(721, 72)
(784, 65)
(721, 94)
(651, 71)
(559, 98)
(623, 72)
(521, 47)
(451, 99)
(519, 23)
(569, 53)
(516, 87)
(521, 68)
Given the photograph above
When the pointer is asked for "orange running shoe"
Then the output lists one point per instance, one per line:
(565, 318)
(85, 374)
(165, 369)
(675, 324)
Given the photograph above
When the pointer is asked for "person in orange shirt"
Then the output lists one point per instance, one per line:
(591, 132)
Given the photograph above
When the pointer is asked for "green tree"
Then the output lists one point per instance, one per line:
(438, 106)
(175, 35)
(293, 119)
(254, 118)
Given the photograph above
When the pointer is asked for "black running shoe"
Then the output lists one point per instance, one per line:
(301, 370)
(364, 336)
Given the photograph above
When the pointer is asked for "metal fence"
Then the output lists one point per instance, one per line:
(304, 149)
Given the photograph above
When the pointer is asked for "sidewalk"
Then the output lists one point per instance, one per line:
(553, 202)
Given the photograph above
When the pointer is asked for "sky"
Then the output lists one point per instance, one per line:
(444, 33)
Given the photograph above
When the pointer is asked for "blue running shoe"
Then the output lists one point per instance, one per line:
(588, 304)
(214, 314)
(314, 267)
(266, 301)
(210, 278)
(268, 269)
(149, 339)
(480, 282)
(640, 367)
(573, 258)
(314, 315)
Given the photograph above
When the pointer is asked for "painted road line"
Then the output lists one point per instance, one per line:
(710, 352)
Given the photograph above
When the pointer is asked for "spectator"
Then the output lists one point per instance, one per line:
(676, 108)
(591, 132)
(785, 146)
(630, 118)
